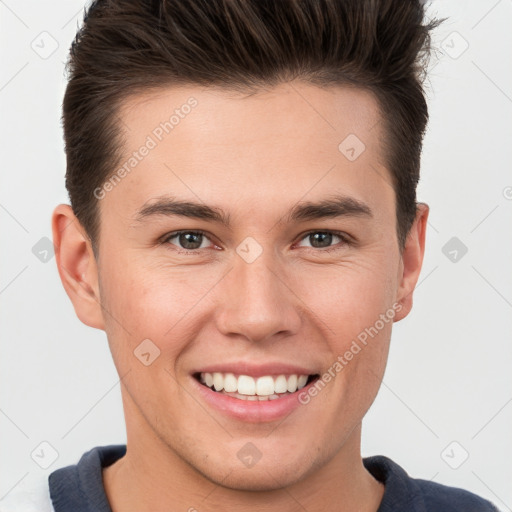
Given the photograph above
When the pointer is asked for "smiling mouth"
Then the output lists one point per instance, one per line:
(246, 387)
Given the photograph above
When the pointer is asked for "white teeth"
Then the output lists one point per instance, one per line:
(281, 384)
(218, 381)
(246, 387)
(292, 383)
(265, 386)
(230, 383)
(301, 381)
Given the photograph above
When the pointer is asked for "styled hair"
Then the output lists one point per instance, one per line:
(125, 47)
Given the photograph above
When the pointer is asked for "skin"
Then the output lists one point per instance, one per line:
(255, 157)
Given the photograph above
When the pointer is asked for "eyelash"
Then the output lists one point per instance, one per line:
(346, 240)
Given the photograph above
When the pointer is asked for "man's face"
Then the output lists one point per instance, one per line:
(272, 291)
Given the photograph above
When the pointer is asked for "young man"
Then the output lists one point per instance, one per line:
(244, 227)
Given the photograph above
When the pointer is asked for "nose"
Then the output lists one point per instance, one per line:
(256, 301)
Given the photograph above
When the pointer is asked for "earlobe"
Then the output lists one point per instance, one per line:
(411, 262)
(77, 266)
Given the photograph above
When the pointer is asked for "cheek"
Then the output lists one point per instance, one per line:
(355, 305)
(349, 298)
(364, 325)
(153, 301)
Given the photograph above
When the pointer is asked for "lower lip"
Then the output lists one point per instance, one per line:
(253, 411)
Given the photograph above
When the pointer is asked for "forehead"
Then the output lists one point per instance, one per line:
(272, 147)
(293, 111)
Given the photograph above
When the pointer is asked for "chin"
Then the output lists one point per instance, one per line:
(261, 478)
(277, 468)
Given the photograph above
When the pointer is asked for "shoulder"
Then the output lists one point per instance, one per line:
(32, 494)
(451, 499)
(79, 487)
(71, 487)
(403, 493)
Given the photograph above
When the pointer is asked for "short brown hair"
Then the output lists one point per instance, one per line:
(129, 46)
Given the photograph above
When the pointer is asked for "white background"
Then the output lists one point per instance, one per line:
(449, 372)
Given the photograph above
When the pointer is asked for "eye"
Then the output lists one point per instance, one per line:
(187, 240)
(324, 239)
(193, 241)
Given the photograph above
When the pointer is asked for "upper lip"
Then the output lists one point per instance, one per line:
(256, 370)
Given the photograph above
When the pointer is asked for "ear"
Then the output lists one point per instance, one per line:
(77, 266)
(411, 261)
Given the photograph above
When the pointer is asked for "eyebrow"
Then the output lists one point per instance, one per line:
(336, 206)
